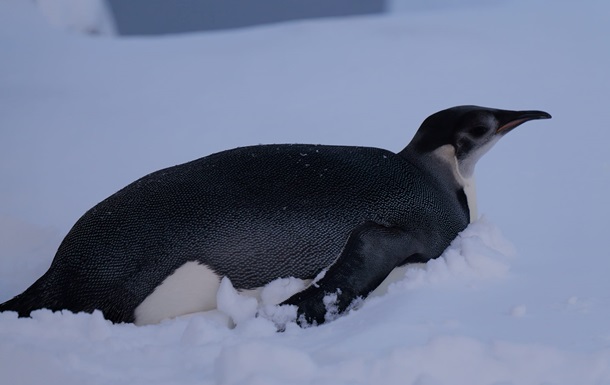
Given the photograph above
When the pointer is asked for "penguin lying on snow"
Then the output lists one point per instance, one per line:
(159, 247)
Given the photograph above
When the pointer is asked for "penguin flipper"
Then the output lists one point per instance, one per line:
(370, 254)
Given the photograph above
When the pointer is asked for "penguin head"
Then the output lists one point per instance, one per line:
(461, 135)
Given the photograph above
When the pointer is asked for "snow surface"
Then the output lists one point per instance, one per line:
(85, 16)
(81, 117)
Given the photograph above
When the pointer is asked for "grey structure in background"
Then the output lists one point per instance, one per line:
(153, 17)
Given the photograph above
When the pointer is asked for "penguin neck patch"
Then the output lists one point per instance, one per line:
(447, 156)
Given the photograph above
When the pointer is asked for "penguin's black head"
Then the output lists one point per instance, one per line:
(465, 133)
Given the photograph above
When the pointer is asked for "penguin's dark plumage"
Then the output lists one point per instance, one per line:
(255, 214)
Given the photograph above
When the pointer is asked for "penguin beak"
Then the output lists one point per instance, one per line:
(511, 119)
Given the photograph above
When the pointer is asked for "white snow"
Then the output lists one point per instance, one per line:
(81, 117)
(82, 16)
(239, 307)
(281, 289)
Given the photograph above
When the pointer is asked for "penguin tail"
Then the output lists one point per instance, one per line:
(37, 296)
(17, 305)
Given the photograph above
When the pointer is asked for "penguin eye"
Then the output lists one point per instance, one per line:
(477, 131)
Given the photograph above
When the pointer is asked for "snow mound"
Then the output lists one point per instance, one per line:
(478, 252)
(281, 289)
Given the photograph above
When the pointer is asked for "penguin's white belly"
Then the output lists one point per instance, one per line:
(191, 288)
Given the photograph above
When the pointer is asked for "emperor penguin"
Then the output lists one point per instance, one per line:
(159, 247)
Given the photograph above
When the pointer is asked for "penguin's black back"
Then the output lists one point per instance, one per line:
(253, 214)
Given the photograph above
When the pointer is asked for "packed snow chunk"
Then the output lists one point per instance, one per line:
(330, 304)
(478, 252)
(256, 362)
(279, 290)
(276, 292)
(518, 311)
(280, 315)
(238, 307)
